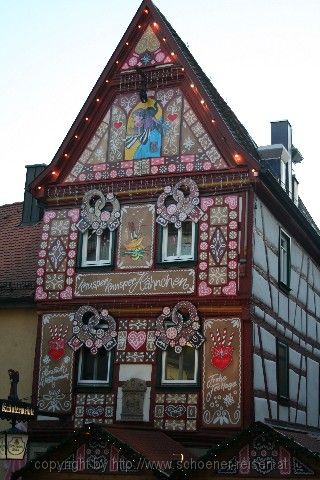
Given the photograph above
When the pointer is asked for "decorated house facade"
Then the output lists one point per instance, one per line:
(178, 284)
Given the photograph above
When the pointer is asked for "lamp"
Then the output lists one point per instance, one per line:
(143, 88)
(13, 443)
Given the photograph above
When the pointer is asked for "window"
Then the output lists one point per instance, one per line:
(179, 368)
(96, 249)
(284, 260)
(94, 369)
(178, 244)
(282, 371)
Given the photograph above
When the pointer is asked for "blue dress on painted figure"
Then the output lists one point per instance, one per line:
(148, 132)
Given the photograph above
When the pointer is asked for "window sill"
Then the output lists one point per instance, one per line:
(177, 264)
(178, 386)
(284, 401)
(93, 387)
(284, 288)
(98, 268)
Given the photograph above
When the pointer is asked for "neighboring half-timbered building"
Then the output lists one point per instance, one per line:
(178, 282)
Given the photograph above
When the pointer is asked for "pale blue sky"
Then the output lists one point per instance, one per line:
(262, 56)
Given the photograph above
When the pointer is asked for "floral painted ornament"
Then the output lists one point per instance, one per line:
(93, 216)
(93, 329)
(175, 206)
(222, 351)
(178, 327)
(57, 342)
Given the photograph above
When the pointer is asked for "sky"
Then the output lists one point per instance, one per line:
(261, 55)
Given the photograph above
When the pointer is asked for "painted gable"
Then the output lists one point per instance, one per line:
(162, 135)
(149, 51)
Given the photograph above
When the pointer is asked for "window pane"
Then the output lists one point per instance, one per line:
(186, 238)
(102, 358)
(283, 370)
(180, 366)
(104, 245)
(188, 363)
(172, 365)
(172, 243)
(91, 246)
(284, 259)
(87, 366)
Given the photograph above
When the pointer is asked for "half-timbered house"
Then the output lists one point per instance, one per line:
(178, 282)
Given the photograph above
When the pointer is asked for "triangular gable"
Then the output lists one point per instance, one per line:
(147, 31)
(163, 135)
(258, 451)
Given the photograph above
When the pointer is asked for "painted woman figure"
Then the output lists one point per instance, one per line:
(144, 131)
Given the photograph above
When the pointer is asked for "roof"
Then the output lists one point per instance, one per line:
(18, 254)
(145, 440)
(306, 214)
(301, 445)
(309, 440)
(90, 109)
(236, 128)
(138, 444)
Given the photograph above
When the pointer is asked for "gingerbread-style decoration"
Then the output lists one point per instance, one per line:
(178, 327)
(93, 330)
(177, 204)
(93, 214)
(57, 342)
(222, 349)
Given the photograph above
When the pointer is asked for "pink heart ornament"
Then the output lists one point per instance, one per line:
(136, 339)
(40, 294)
(230, 289)
(206, 203)
(204, 290)
(66, 294)
(232, 201)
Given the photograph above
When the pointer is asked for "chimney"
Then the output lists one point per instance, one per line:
(32, 212)
(281, 134)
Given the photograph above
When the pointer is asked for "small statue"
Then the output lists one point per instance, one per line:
(14, 380)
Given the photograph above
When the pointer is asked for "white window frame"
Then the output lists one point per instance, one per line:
(178, 257)
(194, 381)
(93, 381)
(284, 264)
(97, 262)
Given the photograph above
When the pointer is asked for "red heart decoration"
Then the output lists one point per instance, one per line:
(56, 348)
(117, 124)
(221, 356)
(172, 116)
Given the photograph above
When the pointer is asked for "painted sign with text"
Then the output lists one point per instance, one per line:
(135, 283)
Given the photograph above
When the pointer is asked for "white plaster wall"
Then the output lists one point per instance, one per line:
(274, 409)
(260, 409)
(283, 413)
(260, 288)
(295, 316)
(268, 341)
(293, 385)
(258, 378)
(142, 371)
(271, 373)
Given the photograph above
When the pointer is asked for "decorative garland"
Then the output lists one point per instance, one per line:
(92, 213)
(183, 207)
(99, 331)
(173, 330)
